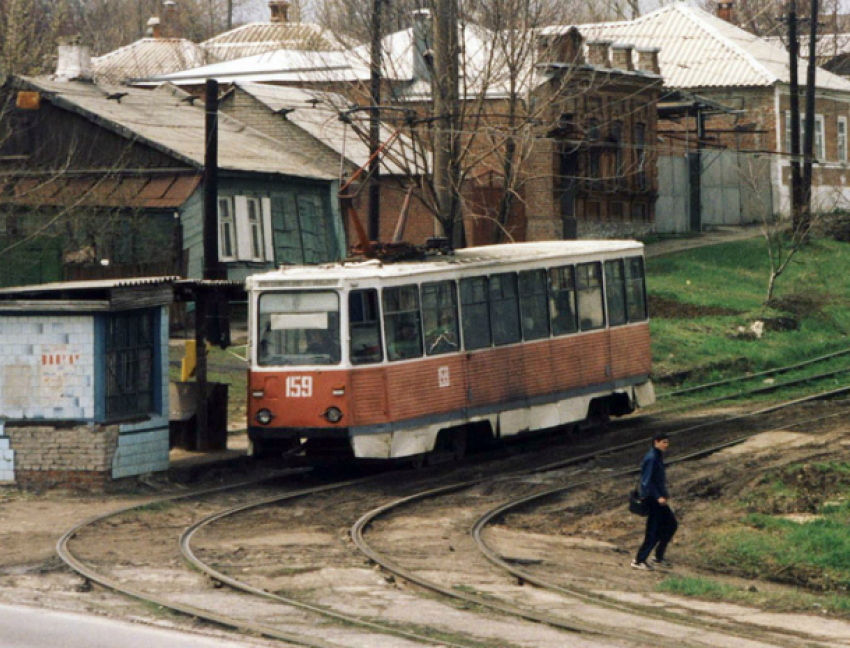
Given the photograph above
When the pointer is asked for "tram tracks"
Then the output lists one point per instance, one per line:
(357, 531)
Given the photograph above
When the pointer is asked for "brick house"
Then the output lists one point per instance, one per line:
(584, 122)
(745, 149)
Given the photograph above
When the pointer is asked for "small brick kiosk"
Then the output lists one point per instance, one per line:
(84, 381)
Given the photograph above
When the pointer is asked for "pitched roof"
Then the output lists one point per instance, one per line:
(146, 58)
(481, 68)
(259, 37)
(700, 50)
(318, 113)
(281, 66)
(165, 120)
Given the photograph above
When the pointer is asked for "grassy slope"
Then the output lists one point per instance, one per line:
(759, 541)
(734, 276)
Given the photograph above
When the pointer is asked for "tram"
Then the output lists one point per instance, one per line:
(412, 359)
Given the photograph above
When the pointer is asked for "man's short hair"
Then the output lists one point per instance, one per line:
(660, 436)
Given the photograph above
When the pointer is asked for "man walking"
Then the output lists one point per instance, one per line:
(661, 524)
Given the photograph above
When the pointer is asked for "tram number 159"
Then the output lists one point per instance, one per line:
(299, 386)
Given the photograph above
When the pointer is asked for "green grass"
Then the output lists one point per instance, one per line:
(720, 288)
(761, 539)
(788, 601)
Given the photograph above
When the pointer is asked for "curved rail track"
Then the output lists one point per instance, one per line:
(357, 532)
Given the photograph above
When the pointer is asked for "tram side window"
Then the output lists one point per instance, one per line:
(635, 289)
(364, 327)
(562, 300)
(402, 323)
(615, 292)
(475, 311)
(591, 311)
(504, 308)
(439, 317)
(533, 304)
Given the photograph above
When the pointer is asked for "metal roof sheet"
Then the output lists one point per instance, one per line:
(146, 58)
(167, 121)
(102, 190)
(317, 113)
(259, 37)
(700, 50)
(281, 65)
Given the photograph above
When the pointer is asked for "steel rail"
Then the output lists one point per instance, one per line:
(767, 372)
(599, 599)
(358, 529)
(103, 580)
(189, 555)
(759, 390)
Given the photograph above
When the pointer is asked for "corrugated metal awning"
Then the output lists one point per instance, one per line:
(144, 191)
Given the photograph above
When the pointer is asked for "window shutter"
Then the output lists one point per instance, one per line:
(243, 229)
(268, 233)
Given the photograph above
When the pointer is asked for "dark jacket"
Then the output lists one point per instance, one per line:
(653, 476)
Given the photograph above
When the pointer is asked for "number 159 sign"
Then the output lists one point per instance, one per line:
(299, 386)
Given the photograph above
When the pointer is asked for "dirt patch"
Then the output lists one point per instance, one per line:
(666, 308)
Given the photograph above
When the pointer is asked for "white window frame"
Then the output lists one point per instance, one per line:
(252, 215)
(227, 237)
(842, 139)
(819, 150)
(255, 227)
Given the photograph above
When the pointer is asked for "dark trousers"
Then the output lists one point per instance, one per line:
(661, 526)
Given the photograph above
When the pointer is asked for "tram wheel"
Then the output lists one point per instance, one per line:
(458, 444)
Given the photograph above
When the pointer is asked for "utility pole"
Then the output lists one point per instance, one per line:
(796, 178)
(809, 135)
(375, 125)
(445, 93)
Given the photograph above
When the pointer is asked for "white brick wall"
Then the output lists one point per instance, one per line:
(47, 367)
(7, 458)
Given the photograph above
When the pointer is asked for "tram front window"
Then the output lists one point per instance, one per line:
(298, 328)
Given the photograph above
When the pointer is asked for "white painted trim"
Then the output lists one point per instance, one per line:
(268, 234)
(243, 229)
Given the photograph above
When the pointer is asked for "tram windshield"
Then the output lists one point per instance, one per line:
(298, 328)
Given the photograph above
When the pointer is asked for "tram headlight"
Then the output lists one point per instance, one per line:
(333, 415)
(264, 417)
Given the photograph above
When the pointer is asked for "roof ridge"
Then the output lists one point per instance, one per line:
(691, 13)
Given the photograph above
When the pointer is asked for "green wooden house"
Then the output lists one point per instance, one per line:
(106, 181)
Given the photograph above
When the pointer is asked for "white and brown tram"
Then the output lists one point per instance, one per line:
(389, 360)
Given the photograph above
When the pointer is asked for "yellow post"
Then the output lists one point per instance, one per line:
(189, 359)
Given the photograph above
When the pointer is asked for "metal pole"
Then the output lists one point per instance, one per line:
(796, 179)
(446, 171)
(375, 126)
(809, 135)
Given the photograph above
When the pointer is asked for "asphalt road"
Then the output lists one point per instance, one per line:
(22, 627)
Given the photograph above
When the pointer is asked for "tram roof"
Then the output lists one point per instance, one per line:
(465, 259)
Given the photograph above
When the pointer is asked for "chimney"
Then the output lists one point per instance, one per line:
(74, 61)
(726, 10)
(280, 11)
(154, 28)
(561, 48)
(621, 56)
(597, 53)
(648, 59)
(423, 55)
(170, 27)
